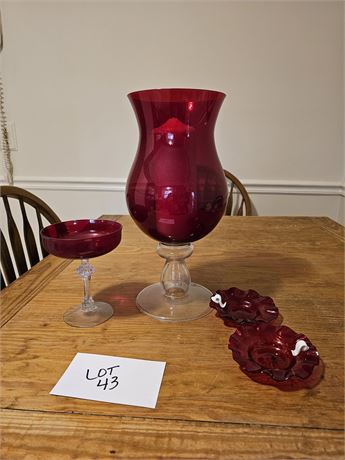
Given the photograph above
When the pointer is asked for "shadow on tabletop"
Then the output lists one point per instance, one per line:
(263, 272)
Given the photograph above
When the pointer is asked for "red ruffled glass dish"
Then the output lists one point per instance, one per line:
(236, 307)
(277, 356)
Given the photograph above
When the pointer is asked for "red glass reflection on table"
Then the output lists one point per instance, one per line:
(83, 239)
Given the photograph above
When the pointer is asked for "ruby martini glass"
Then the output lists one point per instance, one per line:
(83, 239)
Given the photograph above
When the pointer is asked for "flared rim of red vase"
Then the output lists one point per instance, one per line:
(176, 95)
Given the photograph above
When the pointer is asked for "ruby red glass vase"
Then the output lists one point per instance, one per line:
(176, 191)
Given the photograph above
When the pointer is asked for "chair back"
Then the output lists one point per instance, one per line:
(25, 214)
(238, 202)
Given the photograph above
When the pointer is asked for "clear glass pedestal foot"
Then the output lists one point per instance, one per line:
(175, 298)
(193, 305)
(79, 317)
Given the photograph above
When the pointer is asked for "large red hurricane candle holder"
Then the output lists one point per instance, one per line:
(176, 191)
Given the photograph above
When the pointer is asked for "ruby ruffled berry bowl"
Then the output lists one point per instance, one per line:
(236, 307)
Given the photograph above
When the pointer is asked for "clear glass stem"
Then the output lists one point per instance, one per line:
(175, 277)
(175, 298)
(85, 271)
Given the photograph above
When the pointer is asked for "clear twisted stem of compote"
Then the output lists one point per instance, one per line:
(85, 271)
(175, 277)
(88, 313)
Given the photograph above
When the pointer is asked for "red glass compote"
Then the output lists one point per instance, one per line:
(176, 191)
(83, 239)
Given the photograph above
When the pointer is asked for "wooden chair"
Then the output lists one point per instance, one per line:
(238, 202)
(24, 248)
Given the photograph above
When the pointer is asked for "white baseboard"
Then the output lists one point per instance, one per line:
(266, 187)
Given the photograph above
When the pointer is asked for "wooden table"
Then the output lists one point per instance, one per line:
(207, 408)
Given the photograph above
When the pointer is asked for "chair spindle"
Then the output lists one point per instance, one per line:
(29, 236)
(40, 227)
(6, 261)
(16, 242)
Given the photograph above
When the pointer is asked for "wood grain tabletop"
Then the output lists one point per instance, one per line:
(207, 408)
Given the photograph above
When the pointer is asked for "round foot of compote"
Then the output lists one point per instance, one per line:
(153, 302)
(79, 317)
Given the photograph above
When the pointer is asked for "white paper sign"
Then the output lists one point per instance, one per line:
(112, 379)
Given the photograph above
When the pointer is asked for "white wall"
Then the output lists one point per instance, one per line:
(67, 67)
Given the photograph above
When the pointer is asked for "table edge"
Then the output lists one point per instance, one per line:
(206, 436)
